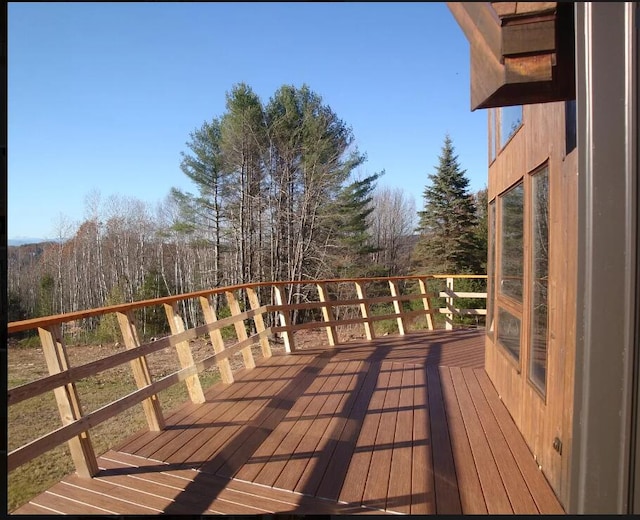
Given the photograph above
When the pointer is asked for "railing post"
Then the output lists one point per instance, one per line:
(449, 315)
(140, 369)
(241, 332)
(258, 320)
(289, 345)
(176, 324)
(397, 306)
(327, 314)
(365, 311)
(426, 302)
(216, 340)
(68, 400)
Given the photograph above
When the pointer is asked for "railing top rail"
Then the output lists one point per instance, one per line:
(19, 326)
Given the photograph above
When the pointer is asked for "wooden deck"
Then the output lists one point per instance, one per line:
(400, 425)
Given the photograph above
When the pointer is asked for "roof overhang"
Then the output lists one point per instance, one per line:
(521, 52)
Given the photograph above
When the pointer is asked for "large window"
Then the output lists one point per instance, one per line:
(511, 239)
(492, 135)
(540, 281)
(510, 121)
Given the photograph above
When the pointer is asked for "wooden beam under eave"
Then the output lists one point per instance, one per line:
(535, 71)
(480, 24)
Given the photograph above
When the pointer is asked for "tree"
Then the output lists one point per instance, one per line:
(448, 241)
(353, 240)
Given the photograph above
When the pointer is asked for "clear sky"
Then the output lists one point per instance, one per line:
(103, 96)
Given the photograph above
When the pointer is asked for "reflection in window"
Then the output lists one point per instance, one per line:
(509, 332)
(540, 252)
(490, 267)
(492, 135)
(511, 257)
(510, 121)
(570, 125)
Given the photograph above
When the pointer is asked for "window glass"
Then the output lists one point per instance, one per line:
(509, 332)
(510, 121)
(512, 252)
(490, 266)
(540, 264)
(570, 125)
(492, 135)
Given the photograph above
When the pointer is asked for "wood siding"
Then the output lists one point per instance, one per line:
(541, 141)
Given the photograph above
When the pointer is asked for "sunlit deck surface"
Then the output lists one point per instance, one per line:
(400, 425)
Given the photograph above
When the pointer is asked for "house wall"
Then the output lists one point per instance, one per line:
(541, 419)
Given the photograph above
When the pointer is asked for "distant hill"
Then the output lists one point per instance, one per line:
(20, 241)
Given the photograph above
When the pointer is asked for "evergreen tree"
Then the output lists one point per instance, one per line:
(354, 243)
(448, 242)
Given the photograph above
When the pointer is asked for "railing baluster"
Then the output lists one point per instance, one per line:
(285, 321)
(258, 320)
(68, 400)
(176, 324)
(327, 314)
(365, 311)
(449, 315)
(397, 306)
(140, 369)
(216, 339)
(426, 302)
(241, 332)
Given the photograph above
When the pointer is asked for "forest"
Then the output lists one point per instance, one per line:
(278, 195)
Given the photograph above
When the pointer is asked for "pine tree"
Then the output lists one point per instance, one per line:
(448, 242)
(354, 243)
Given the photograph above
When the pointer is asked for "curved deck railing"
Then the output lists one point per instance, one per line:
(63, 377)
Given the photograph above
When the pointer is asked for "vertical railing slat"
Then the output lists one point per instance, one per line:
(241, 332)
(327, 314)
(397, 306)
(449, 315)
(285, 321)
(68, 401)
(365, 311)
(226, 374)
(140, 369)
(258, 320)
(176, 324)
(426, 302)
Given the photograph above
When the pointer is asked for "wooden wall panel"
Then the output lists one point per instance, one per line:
(540, 141)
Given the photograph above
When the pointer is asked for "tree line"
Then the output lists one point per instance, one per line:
(278, 196)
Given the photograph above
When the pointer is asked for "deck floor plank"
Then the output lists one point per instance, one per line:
(343, 398)
(356, 478)
(377, 484)
(471, 496)
(265, 465)
(495, 494)
(303, 454)
(399, 492)
(397, 425)
(541, 492)
(422, 478)
(514, 483)
(447, 492)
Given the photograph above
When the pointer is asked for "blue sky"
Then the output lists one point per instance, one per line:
(102, 96)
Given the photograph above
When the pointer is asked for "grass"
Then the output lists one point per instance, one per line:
(35, 417)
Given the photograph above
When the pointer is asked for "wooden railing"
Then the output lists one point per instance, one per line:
(339, 303)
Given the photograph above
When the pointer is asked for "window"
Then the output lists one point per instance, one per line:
(492, 135)
(511, 239)
(570, 125)
(540, 282)
(510, 121)
(490, 267)
(509, 332)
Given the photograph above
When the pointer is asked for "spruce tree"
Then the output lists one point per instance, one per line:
(448, 241)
